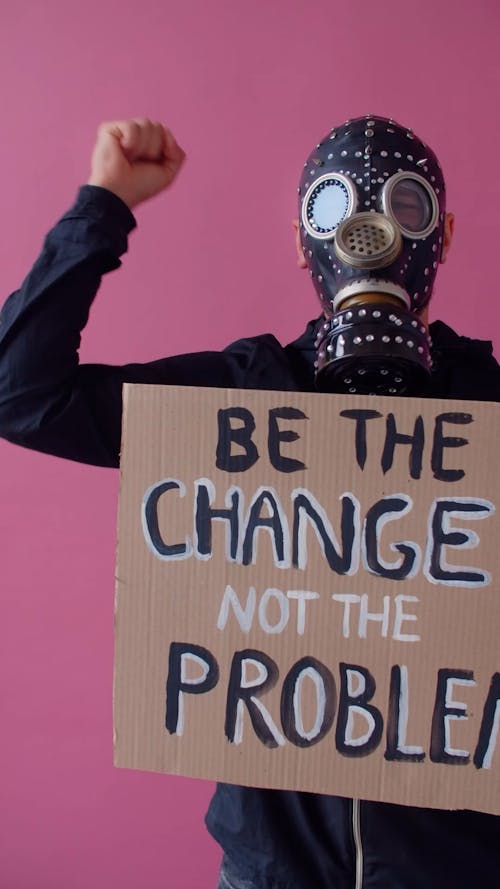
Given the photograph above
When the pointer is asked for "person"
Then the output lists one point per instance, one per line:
(372, 229)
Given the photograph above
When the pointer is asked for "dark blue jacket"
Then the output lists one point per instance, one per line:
(49, 402)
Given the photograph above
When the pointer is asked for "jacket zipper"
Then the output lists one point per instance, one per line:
(356, 830)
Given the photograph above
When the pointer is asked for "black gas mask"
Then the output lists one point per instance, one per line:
(372, 212)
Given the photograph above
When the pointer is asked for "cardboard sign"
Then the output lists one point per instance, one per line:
(308, 593)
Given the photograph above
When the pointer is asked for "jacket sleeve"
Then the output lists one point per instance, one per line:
(44, 401)
(50, 402)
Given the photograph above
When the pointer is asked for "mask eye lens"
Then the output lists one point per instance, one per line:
(411, 206)
(326, 204)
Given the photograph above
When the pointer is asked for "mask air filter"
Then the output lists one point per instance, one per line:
(368, 241)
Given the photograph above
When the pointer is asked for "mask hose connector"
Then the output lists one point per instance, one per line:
(373, 348)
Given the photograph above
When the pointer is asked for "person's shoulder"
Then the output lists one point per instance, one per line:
(444, 337)
(263, 341)
(466, 366)
(270, 365)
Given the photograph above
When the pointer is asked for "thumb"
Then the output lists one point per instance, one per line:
(112, 143)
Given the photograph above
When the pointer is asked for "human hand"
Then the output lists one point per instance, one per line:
(135, 159)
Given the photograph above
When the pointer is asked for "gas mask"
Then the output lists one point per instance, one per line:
(372, 211)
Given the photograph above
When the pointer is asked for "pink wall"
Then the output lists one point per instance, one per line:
(248, 88)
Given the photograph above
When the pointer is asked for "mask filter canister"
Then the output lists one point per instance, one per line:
(372, 347)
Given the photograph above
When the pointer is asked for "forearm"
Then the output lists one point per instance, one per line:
(40, 324)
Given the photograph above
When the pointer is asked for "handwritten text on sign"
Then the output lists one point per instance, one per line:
(332, 562)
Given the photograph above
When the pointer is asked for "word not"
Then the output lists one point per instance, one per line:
(253, 674)
(289, 540)
(273, 612)
(245, 614)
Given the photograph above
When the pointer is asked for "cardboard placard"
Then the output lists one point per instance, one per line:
(308, 593)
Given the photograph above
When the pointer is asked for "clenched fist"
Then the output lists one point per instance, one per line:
(135, 159)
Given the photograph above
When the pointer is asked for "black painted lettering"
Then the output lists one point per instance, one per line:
(277, 435)
(383, 511)
(205, 515)
(393, 437)
(441, 534)
(178, 684)
(441, 442)
(273, 522)
(360, 416)
(243, 691)
(306, 510)
(291, 702)
(397, 719)
(446, 710)
(490, 726)
(354, 701)
(151, 525)
(241, 435)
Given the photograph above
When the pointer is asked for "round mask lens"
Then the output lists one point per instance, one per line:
(326, 204)
(412, 204)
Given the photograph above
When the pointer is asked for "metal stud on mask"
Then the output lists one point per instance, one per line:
(371, 203)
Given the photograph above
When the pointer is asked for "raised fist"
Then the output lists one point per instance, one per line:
(135, 159)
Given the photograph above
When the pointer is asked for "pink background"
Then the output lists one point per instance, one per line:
(248, 88)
